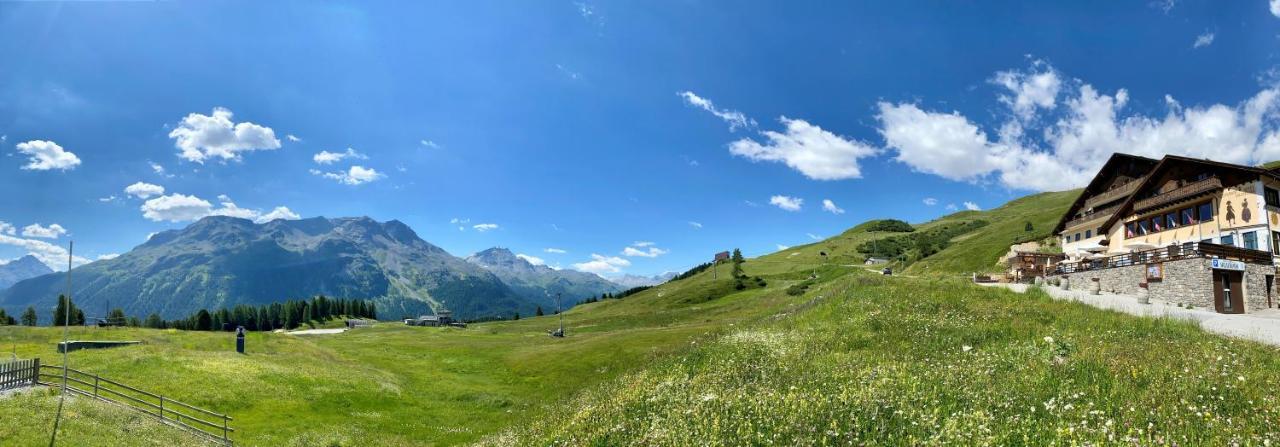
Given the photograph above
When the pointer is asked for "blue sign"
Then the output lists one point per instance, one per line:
(1223, 264)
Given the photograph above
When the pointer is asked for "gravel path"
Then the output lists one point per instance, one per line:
(1262, 326)
(319, 331)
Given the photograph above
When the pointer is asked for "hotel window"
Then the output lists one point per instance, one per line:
(1088, 234)
(1157, 223)
(1187, 216)
(1077, 237)
(1144, 227)
(1129, 229)
(1171, 220)
(1205, 212)
(1250, 240)
(1275, 241)
(1272, 196)
(1228, 239)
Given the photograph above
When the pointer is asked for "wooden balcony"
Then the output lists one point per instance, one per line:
(1096, 215)
(1164, 254)
(1186, 191)
(1112, 195)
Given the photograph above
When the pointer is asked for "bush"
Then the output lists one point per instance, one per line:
(891, 225)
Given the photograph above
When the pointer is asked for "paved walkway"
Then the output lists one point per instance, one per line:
(1262, 326)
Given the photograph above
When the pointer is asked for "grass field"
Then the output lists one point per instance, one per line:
(856, 358)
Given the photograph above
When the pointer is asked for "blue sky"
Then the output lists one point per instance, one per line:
(615, 137)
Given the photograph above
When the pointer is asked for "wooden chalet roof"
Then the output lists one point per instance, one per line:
(1103, 175)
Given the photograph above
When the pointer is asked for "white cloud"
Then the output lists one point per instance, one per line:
(734, 118)
(483, 227)
(1035, 88)
(930, 201)
(202, 137)
(107, 256)
(1073, 143)
(293, 138)
(813, 236)
(185, 208)
(428, 143)
(695, 225)
(143, 190)
(1203, 40)
(816, 153)
(783, 247)
(573, 75)
(1275, 8)
(461, 223)
(356, 175)
(7, 228)
(159, 170)
(280, 212)
(555, 250)
(644, 251)
(952, 207)
(602, 264)
(786, 202)
(830, 207)
(972, 206)
(110, 198)
(531, 259)
(642, 244)
(51, 255)
(46, 155)
(50, 232)
(326, 157)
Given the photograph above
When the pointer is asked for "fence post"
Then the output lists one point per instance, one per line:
(35, 372)
(224, 430)
(161, 407)
(95, 386)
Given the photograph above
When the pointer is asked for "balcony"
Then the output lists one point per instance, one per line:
(1096, 215)
(1112, 195)
(1186, 191)
(1171, 253)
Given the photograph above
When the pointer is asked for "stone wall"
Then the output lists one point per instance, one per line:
(1186, 281)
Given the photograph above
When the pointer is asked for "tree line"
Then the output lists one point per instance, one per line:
(282, 315)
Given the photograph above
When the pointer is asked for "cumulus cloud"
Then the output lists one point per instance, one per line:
(787, 202)
(783, 247)
(734, 118)
(51, 255)
(1072, 143)
(558, 251)
(428, 144)
(159, 170)
(6, 228)
(216, 136)
(483, 227)
(816, 153)
(952, 207)
(602, 264)
(644, 250)
(356, 175)
(185, 208)
(830, 207)
(104, 257)
(972, 206)
(1275, 8)
(1029, 90)
(930, 201)
(50, 232)
(293, 138)
(1203, 40)
(46, 155)
(326, 157)
(531, 259)
(695, 225)
(143, 190)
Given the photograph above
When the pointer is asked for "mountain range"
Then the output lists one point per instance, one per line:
(539, 283)
(628, 281)
(22, 268)
(224, 261)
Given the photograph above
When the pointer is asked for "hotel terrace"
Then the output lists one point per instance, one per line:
(1188, 231)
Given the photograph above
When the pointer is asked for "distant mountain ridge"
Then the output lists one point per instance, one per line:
(539, 283)
(628, 281)
(22, 268)
(223, 261)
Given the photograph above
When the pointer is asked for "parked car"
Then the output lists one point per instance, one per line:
(887, 271)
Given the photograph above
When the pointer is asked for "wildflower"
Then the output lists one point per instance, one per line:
(967, 348)
(1048, 339)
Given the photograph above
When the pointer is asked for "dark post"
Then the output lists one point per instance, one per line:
(240, 339)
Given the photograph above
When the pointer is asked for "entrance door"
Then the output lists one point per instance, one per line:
(1228, 294)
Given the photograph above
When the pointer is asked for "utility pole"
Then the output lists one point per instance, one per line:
(560, 312)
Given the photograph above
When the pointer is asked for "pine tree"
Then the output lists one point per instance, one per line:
(538, 312)
(204, 321)
(29, 316)
(737, 263)
(64, 309)
(154, 321)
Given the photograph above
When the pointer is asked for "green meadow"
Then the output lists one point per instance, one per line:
(790, 358)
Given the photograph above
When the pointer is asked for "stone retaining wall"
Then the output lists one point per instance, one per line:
(1186, 281)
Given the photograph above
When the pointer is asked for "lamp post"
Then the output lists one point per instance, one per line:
(560, 313)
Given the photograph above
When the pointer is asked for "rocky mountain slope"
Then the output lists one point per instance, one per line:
(224, 261)
(539, 283)
(22, 268)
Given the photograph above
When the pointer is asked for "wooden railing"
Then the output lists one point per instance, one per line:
(1099, 214)
(1171, 253)
(19, 373)
(214, 426)
(1181, 192)
(1112, 194)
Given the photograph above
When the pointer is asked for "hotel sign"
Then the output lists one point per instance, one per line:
(1223, 264)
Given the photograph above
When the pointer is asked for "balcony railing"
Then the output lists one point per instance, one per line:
(1098, 214)
(1171, 253)
(1112, 194)
(1182, 192)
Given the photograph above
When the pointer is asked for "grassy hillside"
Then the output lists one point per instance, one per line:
(978, 251)
(903, 361)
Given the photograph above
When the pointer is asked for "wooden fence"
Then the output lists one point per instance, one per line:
(19, 374)
(214, 426)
